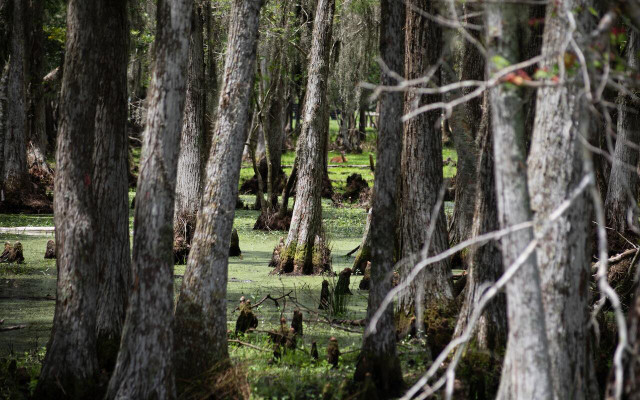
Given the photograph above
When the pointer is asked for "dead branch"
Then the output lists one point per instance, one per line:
(12, 328)
(614, 259)
(275, 299)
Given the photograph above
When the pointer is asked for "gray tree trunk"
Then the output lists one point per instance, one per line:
(378, 354)
(192, 150)
(15, 175)
(563, 253)
(485, 261)
(70, 366)
(148, 325)
(110, 177)
(305, 248)
(525, 371)
(201, 312)
(421, 178)
(622, 193)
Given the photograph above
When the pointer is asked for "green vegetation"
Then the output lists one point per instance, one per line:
(27, 293)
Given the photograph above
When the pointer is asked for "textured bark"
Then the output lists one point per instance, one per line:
(525, 372)
(421, 178)
(273, 119)
(378, 355)
(304, 248)
(631, 361)
(464, 124)
(148, 324)
(563, 253)
(485, 266)
(192, 150)
(110, 178)
(70, 365)
(15, 176)
(37, 133)
(622, 192)
(6, 18)
(201, 313)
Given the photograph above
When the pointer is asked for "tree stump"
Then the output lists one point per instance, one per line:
(12, 254)
(344, 279)
(365, 283)
(234, 248)
(314, 350)
(51, 250)
(296, 322)
(333, 352)
(355, 186)
(247, 319)
(324, 296)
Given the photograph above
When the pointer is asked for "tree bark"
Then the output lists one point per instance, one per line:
(525, 371)
(305, 251)
(192, 150)
(563, 253)
(148, 324)
(622, 192)
(15, 176)
(273, 118)
(485, 266)
(378, 355)
(201, 312)
(110, 177)
(421, 178)
(465, 120)
(70, 366)
(37, 133)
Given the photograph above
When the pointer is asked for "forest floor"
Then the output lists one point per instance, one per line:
(27, 297)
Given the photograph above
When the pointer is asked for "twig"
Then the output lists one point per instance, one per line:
(248, 345)
(275, 300)
(353, 251)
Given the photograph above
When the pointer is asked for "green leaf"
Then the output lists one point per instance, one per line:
(593, 11)
(500, 62)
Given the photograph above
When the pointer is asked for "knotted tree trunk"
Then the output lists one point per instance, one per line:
(305, 251)
(148, 325)
(378, 355)
(201, 312)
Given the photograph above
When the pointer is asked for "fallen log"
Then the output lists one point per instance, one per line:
(12, 328)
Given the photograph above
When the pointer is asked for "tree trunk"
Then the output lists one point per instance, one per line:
(37, 133)
(70, 367)
(378, 355)
(421, 178)
(192, 151)
(622, 193)
(201, 312)
(273, 119)
(525, 371)
(485, 266)
(148, 325)
(464, 122)
(305, 251)
(15, 176)
(555, 169)
(110, 182)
